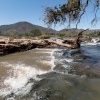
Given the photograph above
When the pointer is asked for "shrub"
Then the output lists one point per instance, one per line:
(44, 36)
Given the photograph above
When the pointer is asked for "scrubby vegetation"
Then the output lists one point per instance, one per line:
(93, 34)
(67, 35)
(16, 34)
(37, 33)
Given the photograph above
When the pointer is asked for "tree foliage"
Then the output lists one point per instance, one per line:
(35, 32)
(72, 11)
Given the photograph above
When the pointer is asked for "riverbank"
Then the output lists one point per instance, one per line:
(17, 45)
(8, 45)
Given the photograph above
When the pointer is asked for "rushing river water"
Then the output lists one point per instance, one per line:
(45, 74)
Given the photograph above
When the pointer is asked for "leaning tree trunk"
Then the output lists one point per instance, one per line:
(77, 41)
(73, 44)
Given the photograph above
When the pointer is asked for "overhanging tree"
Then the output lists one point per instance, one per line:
(71, 11)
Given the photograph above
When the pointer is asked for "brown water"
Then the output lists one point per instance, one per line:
(31, 75)
(36, 58)
(16, 67)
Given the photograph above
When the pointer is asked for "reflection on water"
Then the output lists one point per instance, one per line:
(43, 74)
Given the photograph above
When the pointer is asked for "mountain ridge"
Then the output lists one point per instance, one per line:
(24, 26)
(72, 30)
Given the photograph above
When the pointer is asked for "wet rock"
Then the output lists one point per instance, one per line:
(91, 72)
(60, 68)
(57, 86)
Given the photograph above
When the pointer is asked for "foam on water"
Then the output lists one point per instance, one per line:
(68, 60)
(18, 80)
(50, 61)
(94, 41)
(89, 43)
(53, 59)
(19, 76)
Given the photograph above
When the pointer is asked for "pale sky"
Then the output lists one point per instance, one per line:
(13, 11)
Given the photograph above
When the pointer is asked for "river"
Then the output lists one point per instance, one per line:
(45, 74)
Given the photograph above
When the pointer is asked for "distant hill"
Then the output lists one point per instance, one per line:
(24, 27)
(72, 30)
